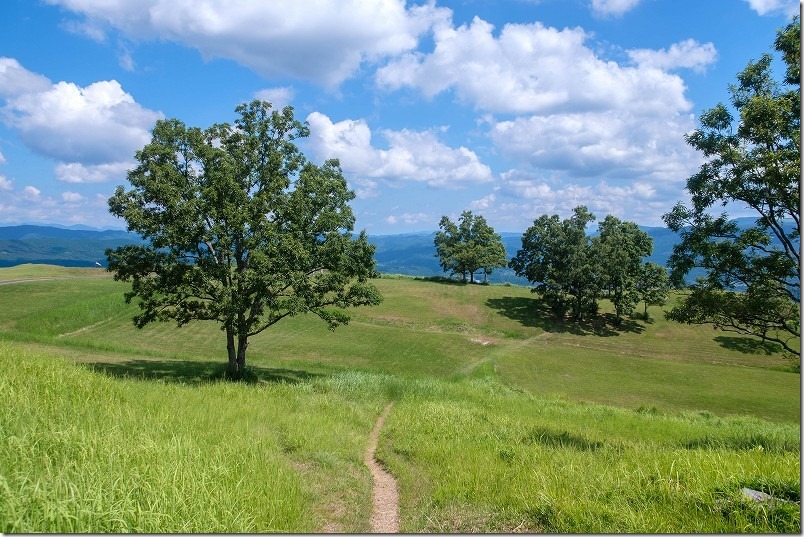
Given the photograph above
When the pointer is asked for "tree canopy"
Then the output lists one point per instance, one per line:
(572, 270)
(557, 256)
(240, 228)
(468, 246)
(620, 247)
(753, 274)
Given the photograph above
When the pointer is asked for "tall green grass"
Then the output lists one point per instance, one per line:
(82, 452)
(480, 458)
(496, 424)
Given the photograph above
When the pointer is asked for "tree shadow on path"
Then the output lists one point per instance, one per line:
(536, 313)
(194, 372)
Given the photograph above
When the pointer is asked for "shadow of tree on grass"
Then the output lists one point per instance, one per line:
(748, 345)
(536, 313)
(195, 372)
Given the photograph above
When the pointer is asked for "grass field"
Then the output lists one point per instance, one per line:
(505, 419)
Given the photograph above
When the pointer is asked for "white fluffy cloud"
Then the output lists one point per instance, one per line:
(534, 69)
(31, 192)
(32, 206)
(16, 80)
(688, 54)
(278, 97)
(575, 113)
(75, 172)
(72, 197)
(789, 8)
(408, 218)
(613, 8)
(411, 155)
(520, 197)
(91, 132)
(601, 144)
(5, 183)
(325, 41)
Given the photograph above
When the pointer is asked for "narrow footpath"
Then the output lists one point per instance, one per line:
(385, 512)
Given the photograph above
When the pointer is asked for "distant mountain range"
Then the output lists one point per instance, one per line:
(410, 254)
(69, 247)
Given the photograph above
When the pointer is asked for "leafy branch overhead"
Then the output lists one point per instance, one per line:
(754, 162)
(241, 229)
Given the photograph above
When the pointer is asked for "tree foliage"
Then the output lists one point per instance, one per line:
(620, 247)
(572, 270)
(468, 246)
(652, 285)
(557, 256)
(241, 229)
(752, 282)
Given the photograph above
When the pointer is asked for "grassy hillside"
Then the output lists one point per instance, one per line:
(504, 419)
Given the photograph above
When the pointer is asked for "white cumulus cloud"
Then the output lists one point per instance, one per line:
(534, 69)
(16, 80)
(613, 8)
(31, 192)
(91, 132)
(600, 144)
(408, 218)
(5, 183)
(788, 8)
(278, 97)
(574, 113)
(324, 41)
(72, 197)
(411, 155)
(688, 54)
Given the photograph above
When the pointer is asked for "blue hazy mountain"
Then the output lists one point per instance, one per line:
(411, 254)
(77, 246)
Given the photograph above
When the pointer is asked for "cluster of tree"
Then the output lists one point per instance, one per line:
(572, 270)
(469, 246)
(243, 230)
(753, 284)
(240, 228)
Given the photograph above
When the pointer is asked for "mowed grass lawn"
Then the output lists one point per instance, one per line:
(504, 418)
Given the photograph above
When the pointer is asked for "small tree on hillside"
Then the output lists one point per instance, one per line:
(557, 256)
(652, 285)
(468, 246)
(241, 229)
(620, 247)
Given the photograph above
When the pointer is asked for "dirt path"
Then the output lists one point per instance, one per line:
(385, 513)
(23, 280)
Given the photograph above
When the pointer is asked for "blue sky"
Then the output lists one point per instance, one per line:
(511, 108)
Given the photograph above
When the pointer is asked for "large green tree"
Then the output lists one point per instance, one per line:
(752, 282)
(468, 246)
(620, 247)
(557, 256)
(240, 228)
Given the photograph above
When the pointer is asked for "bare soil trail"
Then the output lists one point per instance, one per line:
(385, 513)
(23, 280)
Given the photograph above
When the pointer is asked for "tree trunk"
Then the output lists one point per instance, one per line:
(232, 352)
(237, 355)
(242, 343)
